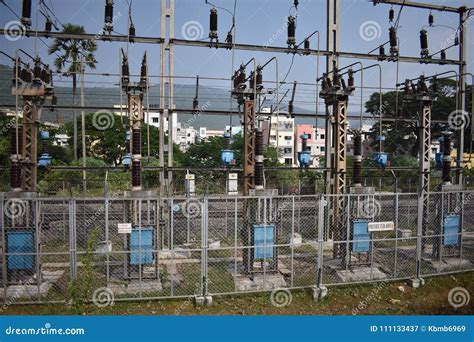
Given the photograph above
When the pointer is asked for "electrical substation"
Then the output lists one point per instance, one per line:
(171, 237)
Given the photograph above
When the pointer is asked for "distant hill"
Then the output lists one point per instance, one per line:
(109, 96)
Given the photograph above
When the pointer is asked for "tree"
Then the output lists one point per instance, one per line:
(402, 136)
(69, 55)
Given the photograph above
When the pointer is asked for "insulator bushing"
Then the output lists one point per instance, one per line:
(382, 51)
(143, 72)
(446, 173)
(195, 104)
(15, 176)
(136, 141)
(443, 55)
(213, 24)
(307, 44)
(13, 140)
(343, 83)
(109, 11)
(357, 166)
(393, 37)
(136, 173)
(423, 40)
(350, 79)
(37, 70)
(26, 75)
(259, 174)
(430, 19)
(131, 30)
(291, 30)
(235, 78)
(259, 142)
(336, 79)
(48, 25)
(290, 108)
(259, 78)
(258, 158)
(26, 13)
(391, 14)
(357, 144)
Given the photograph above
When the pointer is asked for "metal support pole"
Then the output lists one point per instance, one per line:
(462, 91)
(83, 128)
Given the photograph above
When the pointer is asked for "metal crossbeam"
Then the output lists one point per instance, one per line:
(101, 37)
(415, 4)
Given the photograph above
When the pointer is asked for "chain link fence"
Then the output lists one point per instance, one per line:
(71, 249)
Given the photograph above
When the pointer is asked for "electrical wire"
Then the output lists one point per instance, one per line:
(51, 12)
(226, 10)
(399, 14)
(6, 5)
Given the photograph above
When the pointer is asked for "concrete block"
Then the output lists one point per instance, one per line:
(319, 292)
(200, 300)
(208, 300)
(417, 282)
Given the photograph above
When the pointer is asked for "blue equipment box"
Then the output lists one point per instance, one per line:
(21, 242)
(141, 246)
(451, 230)
(264, 241)
(360, 231)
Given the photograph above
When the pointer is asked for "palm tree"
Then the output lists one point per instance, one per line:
(69, 53)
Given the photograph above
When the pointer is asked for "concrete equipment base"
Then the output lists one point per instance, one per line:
(203, 300)
(319, 292)
(360, 273)
(29, 288)
(258, 282)
(135, 287)
(416, 282)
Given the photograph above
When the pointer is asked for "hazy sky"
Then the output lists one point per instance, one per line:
(258, 22)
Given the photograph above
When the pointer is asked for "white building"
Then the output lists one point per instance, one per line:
(282, 135)
(185, 137)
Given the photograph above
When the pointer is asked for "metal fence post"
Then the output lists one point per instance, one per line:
(204, 247)
(396, 236)
(37, 244)
(419, 233)
(321, 205)
(72, 238)
(4, 257)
